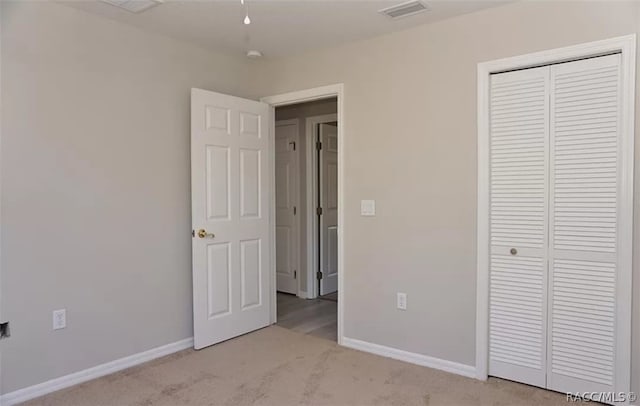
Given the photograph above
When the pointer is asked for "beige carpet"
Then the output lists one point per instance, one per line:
(276, 366)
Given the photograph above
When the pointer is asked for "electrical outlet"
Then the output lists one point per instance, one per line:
(402, 301)
(367, 207)
(59, 319)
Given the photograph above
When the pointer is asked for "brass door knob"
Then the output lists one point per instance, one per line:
(202, 233)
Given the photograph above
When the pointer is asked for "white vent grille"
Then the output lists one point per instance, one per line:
(134, 6)
(404, 9)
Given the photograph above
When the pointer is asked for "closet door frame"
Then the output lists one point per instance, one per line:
(626, 46)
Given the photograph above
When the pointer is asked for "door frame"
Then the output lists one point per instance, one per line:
(313, 245)
(296, 122)
(626, 46)
(296, 97)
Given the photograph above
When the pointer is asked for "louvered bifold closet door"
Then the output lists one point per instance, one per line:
(584, 206)
(519, 133)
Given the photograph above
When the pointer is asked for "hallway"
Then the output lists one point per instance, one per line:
(316, 317)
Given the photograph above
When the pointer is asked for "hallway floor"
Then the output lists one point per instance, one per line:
(316, 317)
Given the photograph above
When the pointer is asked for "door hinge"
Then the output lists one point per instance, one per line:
(319, 275)
(295, 274)
(293, 144)
(318, 145)
(319, 211)
(295, 210)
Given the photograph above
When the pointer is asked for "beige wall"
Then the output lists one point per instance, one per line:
(301, 112)
(410, 124)
(95, 187)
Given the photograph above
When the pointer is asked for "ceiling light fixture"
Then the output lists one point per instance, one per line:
(253, 54)
(247, 20)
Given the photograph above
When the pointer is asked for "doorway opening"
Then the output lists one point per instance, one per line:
(306, 218)
(233, 185)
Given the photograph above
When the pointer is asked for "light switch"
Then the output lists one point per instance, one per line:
(367, 207)
(59, 319)
(401, 301)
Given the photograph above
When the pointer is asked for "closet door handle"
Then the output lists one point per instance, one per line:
(513, 251)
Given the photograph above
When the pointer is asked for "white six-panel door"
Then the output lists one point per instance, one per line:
(329, 202)
(230, 216)
(287, 232)
(555, 171)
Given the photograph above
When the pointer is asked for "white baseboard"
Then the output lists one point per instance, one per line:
(22, 395)
(411, 357)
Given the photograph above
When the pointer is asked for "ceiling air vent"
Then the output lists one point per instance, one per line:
(404, 9)
(134, 6)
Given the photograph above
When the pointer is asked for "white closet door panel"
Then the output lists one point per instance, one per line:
(584, 207)
(585, 148)
(519, 121)
(517, 326)
(518, 220)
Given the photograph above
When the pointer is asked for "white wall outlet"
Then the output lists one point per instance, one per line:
(367, 207)
(402, 301)
(59, 319)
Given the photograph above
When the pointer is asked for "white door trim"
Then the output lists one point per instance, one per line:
(625, 45)
(302, 96)
(312, 195)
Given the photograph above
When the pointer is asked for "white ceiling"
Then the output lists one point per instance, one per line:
(279, 27)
